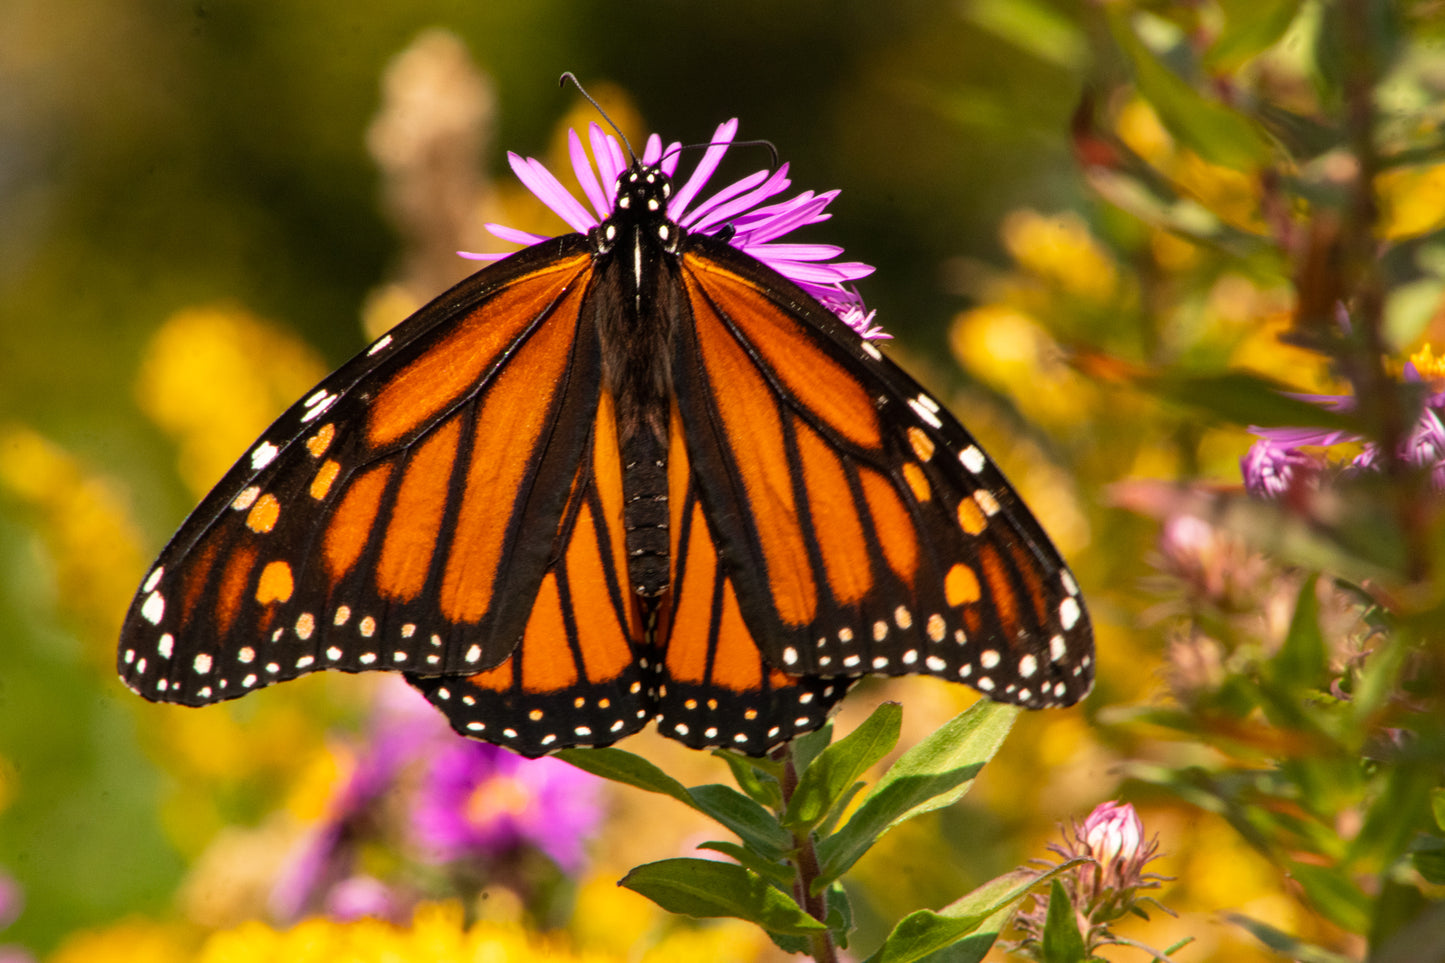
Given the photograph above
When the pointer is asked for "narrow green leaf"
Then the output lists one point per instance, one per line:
(934, 773)
(1062, 942)
(1215, 132)
(1250, 28)
(1035, 27)
(1301, 661)
(621, 766)
(1282, 942)
(754, 825)
(838, 767)
(1437, 807)
(1336, 896)
(702, 887)
(779, 873)
(1241, 398)
(807, 747)
(925, 934)
(761, 785)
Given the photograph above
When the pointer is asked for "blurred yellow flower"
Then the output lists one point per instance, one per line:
(129, 941)
(214, 378)
(1412, 200)
(1229, 194)
(1430, 367)
(84, 524)
(1010, 352)
(437, 934)
(1059, 249)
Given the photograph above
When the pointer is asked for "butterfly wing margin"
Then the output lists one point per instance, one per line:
(863, 527)
(346, 537)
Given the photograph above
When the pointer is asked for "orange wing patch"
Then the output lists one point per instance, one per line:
(814, 378)
(416, 518)
(355, 517)
(750, 416)
(437, 379)
(835, 519)
(510, 420)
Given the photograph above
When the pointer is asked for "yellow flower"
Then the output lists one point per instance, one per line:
(1412, 200)
(1010, 352)
(129, 941)
(214, 378)
(1059, 249)
(437, 934)
(84, 524)
(1430, 367)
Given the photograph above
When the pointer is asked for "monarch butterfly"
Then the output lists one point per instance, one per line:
(644, 471)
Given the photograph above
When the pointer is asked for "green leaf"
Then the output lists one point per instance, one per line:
(1428, 856)
(777, 872)
(808, 746)
(754, 825)
(824, 783)
(1301, 661)
(968, 926)
(1240, 398)
(761, 785)
(1282, 942)
(1215, 132)
(934, 773)
(1437, 807)
(1250, 28)
(1336, 897)
(702, 887)
(621, 766)
(1032, 26)
(1062, 942)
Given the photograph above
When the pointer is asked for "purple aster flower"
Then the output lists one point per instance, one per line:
(756, 227)
(405, 728)
(1271, 470)
(479, 800)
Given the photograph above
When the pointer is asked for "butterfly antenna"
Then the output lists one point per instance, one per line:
(569, 75)
(772, 148)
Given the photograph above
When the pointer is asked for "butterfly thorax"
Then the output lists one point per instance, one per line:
(635, 251)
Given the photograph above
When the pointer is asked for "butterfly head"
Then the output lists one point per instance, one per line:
(640, 208)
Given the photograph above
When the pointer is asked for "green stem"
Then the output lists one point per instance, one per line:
(805, 861)
(1377, 393)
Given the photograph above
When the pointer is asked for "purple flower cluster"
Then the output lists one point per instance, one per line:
(756, 228)
(439, 799)
(1278, 462)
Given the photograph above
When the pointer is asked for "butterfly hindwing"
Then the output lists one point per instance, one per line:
(864, 529)
(714, 686)
(377, 524)
(575, 677)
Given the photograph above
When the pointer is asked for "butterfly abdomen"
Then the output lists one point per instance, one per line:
(645, 514)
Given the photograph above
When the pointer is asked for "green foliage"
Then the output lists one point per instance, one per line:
(786, 847)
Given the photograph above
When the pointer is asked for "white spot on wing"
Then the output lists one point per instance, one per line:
(972, 459)
(263, 455)
(923, 412)
(380, 345)
(153, 579)
(154, 608)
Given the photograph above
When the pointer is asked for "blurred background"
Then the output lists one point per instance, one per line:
(206, 206)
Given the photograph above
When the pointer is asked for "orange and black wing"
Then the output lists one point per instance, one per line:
(576, 678)
(714, 688)
(390, 519)
(860, 527)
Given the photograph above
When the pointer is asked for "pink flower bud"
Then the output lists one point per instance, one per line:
(1113, 832)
